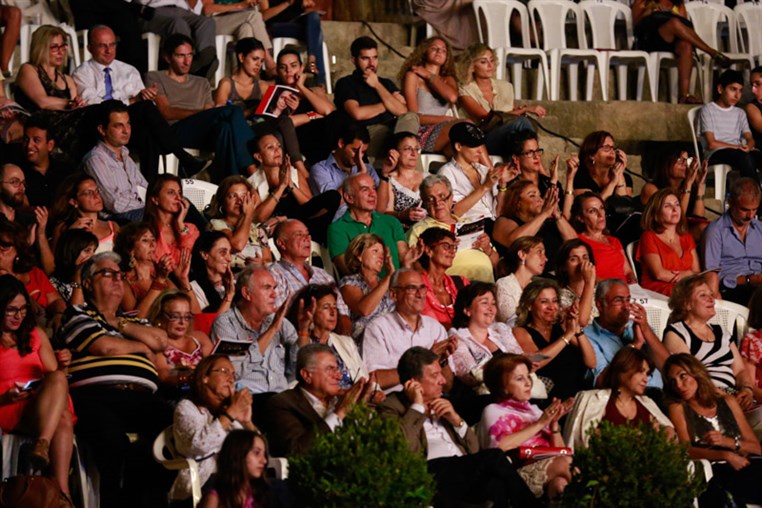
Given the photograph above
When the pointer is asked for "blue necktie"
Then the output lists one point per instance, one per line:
(109, 88)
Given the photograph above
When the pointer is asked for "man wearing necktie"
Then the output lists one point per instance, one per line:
(104, 78)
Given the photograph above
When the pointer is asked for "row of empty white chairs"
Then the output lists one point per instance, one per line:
(742, 45)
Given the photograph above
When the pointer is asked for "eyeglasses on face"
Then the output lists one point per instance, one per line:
(15, 182)
(607, 148)
(108, 273)
(433, 200)
(176, 316)
(59, 47)
(16, 311)
(411, 289)
(222, 370)
(533, 153)
(446, 246)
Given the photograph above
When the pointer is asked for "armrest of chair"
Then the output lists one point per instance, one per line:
(279, 466)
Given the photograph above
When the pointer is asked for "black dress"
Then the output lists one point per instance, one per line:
(566, 370)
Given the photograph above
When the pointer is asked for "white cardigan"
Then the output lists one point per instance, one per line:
(589, 408)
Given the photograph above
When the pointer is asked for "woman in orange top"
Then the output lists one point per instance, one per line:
(665, 251)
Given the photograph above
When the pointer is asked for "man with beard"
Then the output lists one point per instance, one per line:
(373, 101)
(733, 245)
(42, 172)
(13, 195)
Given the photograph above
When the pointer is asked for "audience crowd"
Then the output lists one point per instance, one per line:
(487, 308)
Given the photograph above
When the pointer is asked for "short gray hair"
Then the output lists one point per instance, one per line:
(88, 269)
(396, 276)
(605, 285)
(305, 358)
(244, 280)
(431, 180)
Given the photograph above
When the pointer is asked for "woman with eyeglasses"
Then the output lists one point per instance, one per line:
(603, 167)
(430, 89)
(529, 213)
(365, 290)
(399, 190)
(666, 251)
(439, 248)
(589, 219)
(145, 279)
(203, 421)
(78, 205)
(17, 259)
(41, 85)
(232, 212)
(489, 102)
(475, 258)
(171, 312)
(677, 171)
(43, 409)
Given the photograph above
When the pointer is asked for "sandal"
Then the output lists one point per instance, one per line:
(40, 457)
(689, 99)
(312, 68)
(722, 59)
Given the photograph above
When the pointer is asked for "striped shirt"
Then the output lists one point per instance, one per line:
(716, 356)
(726, 124)
(81, 327)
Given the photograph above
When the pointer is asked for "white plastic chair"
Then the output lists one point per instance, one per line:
(281, 42)
(731, 316)
(154, 49)
(25, 43)
(657, 312)
(492, 18)
(165, 453)
(428, 158)
(221, 44)
(630, 251)
(198, 192)
(750, 15)
(707, 21)
(602, 16)
(721, 171)
(552, 17)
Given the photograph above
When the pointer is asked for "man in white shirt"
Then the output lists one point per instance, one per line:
(313, 407)
(176, 17)
(103, 77)
(432, 427)
(388, 336)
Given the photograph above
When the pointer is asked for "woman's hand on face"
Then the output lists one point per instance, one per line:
(390, 162)
(511, 171)
(621, 157)
(248, 205)
(691, 173)
(184, 207)
(587, 269)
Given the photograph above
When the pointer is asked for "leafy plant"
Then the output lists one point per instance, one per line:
(626, 466)
(365, 462)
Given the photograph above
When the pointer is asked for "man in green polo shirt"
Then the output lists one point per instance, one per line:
(360, 195)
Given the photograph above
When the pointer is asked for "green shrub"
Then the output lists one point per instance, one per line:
(628, 466)
(364, 463)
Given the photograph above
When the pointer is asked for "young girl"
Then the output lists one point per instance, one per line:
(240, 480)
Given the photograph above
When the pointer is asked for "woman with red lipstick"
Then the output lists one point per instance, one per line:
(44, 412)
(589, 219)
(512, 422)
(202, 422)
(689, 331)
(715, 428)
(171, 312)
(666, 251)
(241, 480)
(78, 206)
(567, 350)
(439, 247)
(621, 401)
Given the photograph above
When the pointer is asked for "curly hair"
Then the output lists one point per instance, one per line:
(465, 61)
(418, 57)
(125, 241)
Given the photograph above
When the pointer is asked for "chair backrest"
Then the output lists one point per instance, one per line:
(707, 17)
(198, 192)
(658, 315)
(732, 317)
(692, 114)
(493, 22)
(749, 17)
(164, 446)
(551, 15)
(602, 16)
(630, 250)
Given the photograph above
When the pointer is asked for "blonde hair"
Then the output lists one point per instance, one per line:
(39, 49)
(356, 247)
(465, 61)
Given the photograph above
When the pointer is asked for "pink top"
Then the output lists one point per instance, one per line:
(609, 258)
(179, 359)
(39, 286)
(163, 246)
(650, 243)
(434, 307)
(751, 349)
(511, 416)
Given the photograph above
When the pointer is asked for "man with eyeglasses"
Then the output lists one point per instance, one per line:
(297, 416)
(388, 336)
(113, 384)
(622, 323)
(43, 173)
(13, 195)
(103, 78)
(346, 160)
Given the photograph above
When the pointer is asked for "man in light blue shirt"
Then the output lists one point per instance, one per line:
(622, 323)
(733, 245)
(344, 161)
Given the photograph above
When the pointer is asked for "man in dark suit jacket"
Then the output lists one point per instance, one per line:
(297, 416)
(463, 473)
